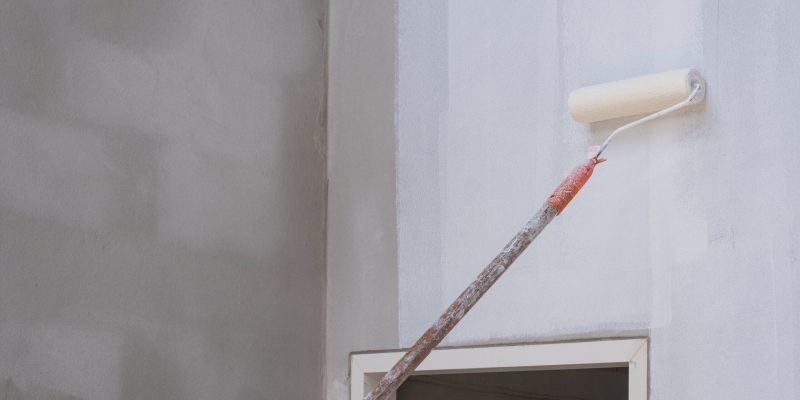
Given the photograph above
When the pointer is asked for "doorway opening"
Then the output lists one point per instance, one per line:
(568, 384)
(614, 369)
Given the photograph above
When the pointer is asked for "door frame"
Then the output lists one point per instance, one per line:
(366, 369)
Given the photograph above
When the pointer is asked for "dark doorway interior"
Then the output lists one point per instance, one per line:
(572, 384)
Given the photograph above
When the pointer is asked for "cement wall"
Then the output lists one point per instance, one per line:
(361, 300)
(688, 234)
(161, 199)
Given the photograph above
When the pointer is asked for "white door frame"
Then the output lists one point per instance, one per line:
(366, 369)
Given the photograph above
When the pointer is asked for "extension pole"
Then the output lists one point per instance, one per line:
(448, 320)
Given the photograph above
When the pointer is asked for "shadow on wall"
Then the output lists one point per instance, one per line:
(10, 391)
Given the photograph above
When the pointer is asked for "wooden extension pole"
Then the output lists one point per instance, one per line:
(448, 320)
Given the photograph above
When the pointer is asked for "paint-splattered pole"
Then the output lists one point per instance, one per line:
(448, 320)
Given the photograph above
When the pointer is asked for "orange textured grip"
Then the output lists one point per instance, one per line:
(570, 186)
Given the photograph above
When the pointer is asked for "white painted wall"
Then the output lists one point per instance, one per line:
(161, 199)
(689, 233)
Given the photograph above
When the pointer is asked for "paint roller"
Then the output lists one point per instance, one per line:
(659, 94)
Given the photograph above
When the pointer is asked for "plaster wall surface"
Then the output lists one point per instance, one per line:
(688, 234)
(161, 199)
(361, 291)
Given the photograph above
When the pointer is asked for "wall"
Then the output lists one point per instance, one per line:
(688, 234)
(161, 199)
(361, 299)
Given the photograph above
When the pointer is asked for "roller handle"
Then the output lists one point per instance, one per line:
(467, 299)
(572, 184)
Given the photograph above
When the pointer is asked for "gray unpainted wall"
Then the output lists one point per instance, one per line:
(688, 234)
(361, 299)
(162, 179)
